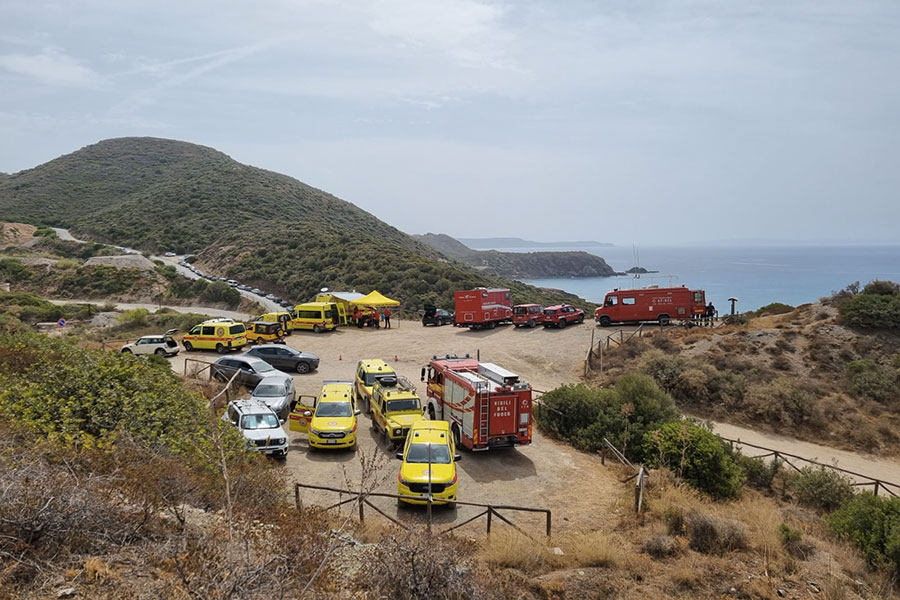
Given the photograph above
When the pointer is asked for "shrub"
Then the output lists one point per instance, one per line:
(792, 542)
(135, 317)
(878, 306)
(710, 535)
(872, 524)
(13, 270)
(868, 379)
(783, 402)
(758, 473)
(775, 308)
(822, 488)
(881, 287)
(697, 456)
(584, 415)
(661, 546)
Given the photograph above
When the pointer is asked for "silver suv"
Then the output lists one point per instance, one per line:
(259, 425)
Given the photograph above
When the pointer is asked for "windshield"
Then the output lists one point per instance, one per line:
(269, 390)
(263, 367)
(371, 378)
(334, 409)
(418, 453)
(520, 310)
(401, 405)
(235, 329)
(261, 421)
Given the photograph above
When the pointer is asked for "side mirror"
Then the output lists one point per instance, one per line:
(399, 455)
(357, 411)
(423, 374)
(457, 457)
(307, 413)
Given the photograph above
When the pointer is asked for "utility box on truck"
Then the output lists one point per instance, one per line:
(482, 307)
(651, 304)
(487, 406)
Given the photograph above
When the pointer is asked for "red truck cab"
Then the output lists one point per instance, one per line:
(651, 303)
(561, 315)
(527, 315)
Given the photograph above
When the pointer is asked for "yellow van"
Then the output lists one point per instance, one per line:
(283, 317)
(220, 335)
(317, 316)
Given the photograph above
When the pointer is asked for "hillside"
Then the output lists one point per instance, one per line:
(520, 265)
(243, 222)
(514, 242)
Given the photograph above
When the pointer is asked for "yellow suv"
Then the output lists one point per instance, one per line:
(429, 464)
(368, 371)
(283, 317)
(395, 408)
(220, 335)
(265, 332)
(331, 422)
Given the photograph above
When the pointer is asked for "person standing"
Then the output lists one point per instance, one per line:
(710, 313)
(387, 318)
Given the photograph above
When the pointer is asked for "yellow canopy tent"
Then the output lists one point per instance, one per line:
(374, 299)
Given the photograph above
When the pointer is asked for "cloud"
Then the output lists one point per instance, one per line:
(53, 67)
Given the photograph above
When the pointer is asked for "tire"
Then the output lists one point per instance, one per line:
(663, 319)
(126, 351)
(259, 341)
(456, 436)
(581, 318)
(188, 347)
(303, 368)
(221, 349)
(532, 323)
(492, 325)
(160, 352)
(279, 333)
(604, 321)
(317, 329)
(562, 323)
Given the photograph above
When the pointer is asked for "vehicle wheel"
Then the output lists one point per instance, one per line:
(279, 333)
(160, 352)
(317, 329)
(456, 436)
(581, 318)
(604, 321)
(259, 341)
(303, 368)
(188, 347)
(221, 349)
(492, 325)
(126, 351)
(663, 319)
(532, 323)
(562, 323)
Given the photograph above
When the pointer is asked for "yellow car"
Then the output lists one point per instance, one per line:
(220, 335)
(331, 421)
(429, 463)
(369, 370)
(265, 332)
(395, 408)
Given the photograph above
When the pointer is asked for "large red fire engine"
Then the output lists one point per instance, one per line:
(482, 307)
(651, 304)
(486, 405)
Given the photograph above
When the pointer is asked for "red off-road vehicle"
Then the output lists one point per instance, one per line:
(561, 315)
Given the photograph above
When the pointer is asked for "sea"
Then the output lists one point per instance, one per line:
(755, 274)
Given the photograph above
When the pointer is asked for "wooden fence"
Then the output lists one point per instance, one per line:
(860, 480)
(362, 499)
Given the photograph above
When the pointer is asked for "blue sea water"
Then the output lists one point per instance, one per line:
(757, 275)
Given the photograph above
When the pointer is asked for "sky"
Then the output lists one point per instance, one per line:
(628, 122)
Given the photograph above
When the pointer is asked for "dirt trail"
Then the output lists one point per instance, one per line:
(203, 310)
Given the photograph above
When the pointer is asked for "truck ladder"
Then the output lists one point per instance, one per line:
(484, 417)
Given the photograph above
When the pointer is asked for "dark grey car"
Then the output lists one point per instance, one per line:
(250, 369)
(285, 358)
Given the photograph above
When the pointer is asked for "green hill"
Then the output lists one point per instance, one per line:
(243, 222)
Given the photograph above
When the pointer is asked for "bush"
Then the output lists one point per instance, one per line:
(822, 488)
(872, 524)
(783, 402)
(584, 415)
(876, 307)
(758, 473)
(711, 535)
(775, 308)
(695, 455)
(136, 317)
(792, 542)
(868, 379)
(881, 287)
(661, 546)
(13, 270)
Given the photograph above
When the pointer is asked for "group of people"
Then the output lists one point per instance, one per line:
(371, 318)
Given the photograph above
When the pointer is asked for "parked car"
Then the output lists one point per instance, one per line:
(250, 369)
(561, 315)
(261, 332)
(163, 345)
(285, 357)
(437, 316)
(429, 464)
(331, 422)
(259, 425)
(277, 392)
(170, 254)
(528, 315)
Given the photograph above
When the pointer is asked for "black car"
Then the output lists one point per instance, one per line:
(249, 368)
(437, 316)
(285, 358)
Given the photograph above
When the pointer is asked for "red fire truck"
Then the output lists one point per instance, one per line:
(651, 303)
(486, 405)
(482, 307)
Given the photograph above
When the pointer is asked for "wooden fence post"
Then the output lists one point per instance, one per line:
(362, 516)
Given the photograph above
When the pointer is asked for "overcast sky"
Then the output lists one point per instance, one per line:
(630, 121)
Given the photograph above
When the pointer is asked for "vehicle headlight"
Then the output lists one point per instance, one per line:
(398, 431)
(315, 432)
(279, 441)
(405, 482)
